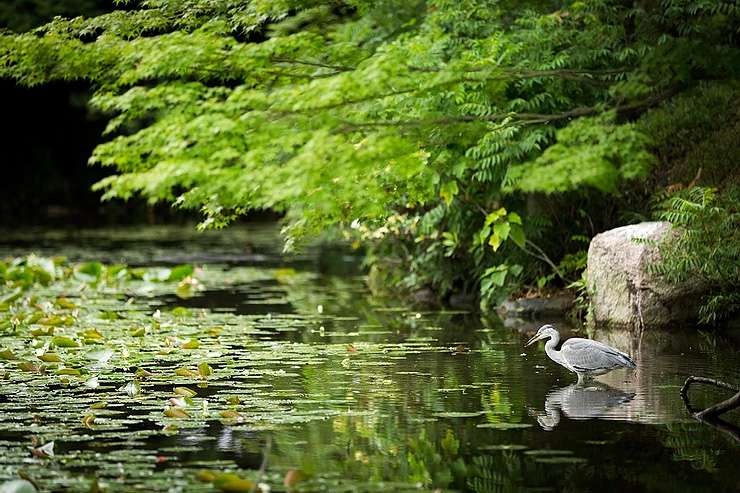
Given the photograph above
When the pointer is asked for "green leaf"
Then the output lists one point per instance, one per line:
(89, 272)
(517, 235)
(501, 229)
(204, 370)
(180, 272)
(7, 354)
(495, 241)
(448, 191)
(513, 217)
(63, 341)
(231, 483)
(495, 216)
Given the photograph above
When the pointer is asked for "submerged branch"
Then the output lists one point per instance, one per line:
(710, 415)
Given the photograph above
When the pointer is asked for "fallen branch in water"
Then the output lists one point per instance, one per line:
(711, 414)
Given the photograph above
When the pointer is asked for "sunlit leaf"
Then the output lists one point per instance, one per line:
(186, 372)
(176, 412)
(63, 341)
(231, 483)
(50, 357)
(190, 344)
(180, 272)
(184, 391)
(7, 354)
(204, 370)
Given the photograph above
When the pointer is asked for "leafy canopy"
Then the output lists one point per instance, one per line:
(432, 114)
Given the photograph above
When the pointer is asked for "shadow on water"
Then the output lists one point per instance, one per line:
(361, 395)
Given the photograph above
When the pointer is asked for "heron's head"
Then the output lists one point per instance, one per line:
(543, 333)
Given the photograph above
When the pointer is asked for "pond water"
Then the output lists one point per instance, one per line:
(286, 372)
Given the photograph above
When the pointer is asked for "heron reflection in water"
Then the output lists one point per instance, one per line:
(579, 401)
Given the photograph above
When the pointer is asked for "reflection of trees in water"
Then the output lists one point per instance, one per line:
(693, 444)
(582, 401)
(498, 473)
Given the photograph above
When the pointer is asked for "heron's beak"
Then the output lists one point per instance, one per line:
(533, 340)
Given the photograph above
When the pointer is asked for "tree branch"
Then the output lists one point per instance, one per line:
(711, 414)
(339, 68)
(519, 118)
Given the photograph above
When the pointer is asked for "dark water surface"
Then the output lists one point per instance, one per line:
(310, 373)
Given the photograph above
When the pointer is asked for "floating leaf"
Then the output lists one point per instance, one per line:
(460, 414)
(230, 415)
(142, 373)
(204, 370)
(63, 341)
(7, 354)
(185, 372)
(231, 483)
(184, 391)
(504, 426)
(68, 371)
(176, 412)
(138, 332)
(99, 405)
(186, 288)
(65, 304)
(111, 315)
(180, 272)
(191, 344)
(29, 367)
(92, 334)
(181, 311)
(56, 320)
(89, 272)
(205, 475)
(38, 332)
(50, 357)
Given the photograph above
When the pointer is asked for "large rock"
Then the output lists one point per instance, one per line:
(623, 292)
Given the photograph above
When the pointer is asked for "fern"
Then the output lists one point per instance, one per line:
(706, 247)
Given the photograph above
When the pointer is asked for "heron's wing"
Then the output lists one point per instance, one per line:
(588, 355)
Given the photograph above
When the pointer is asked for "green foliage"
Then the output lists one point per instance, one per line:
(419, 121)
(593, 152)
(706, 247)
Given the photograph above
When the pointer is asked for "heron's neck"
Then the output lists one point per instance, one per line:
(553, 353)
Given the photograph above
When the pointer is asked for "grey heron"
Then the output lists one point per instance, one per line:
(585, 357)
